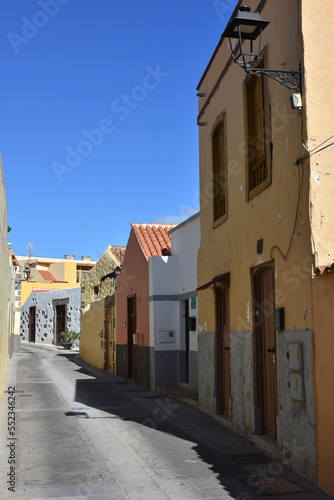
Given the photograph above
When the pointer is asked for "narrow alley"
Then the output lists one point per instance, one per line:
(83, 433)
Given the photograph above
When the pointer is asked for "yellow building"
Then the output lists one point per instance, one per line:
(5, 283)
(266, 222)
(53, 274)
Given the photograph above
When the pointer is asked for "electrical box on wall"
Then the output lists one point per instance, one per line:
(192, 324)
(295, 356)
(166, 336)
(296, 386)
(279, 319)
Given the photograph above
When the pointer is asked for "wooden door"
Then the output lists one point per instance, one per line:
(187, 341)
(223, 359)
(265, 351)
(32, 324)
(111, 331)
(131, 338)
(109, 339)
(60, 321)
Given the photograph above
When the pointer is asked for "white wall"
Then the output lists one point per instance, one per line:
(185, 241)
(169, 279)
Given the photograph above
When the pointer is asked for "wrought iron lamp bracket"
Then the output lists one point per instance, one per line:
(290, 79)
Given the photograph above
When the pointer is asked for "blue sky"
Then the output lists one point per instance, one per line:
(98, 117)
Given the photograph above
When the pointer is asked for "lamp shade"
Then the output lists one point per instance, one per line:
(250, 24)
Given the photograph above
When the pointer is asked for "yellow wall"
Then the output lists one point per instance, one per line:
(4, 282)
(270, 215)
(318, 27)
(323, 312)
(92, 324)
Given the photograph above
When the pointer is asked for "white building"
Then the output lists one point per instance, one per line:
(173, 309)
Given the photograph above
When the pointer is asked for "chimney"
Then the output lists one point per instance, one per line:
(69, 257)
(86, 257)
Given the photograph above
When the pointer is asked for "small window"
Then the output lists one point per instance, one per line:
(96, 292)
(219, 172)
(258, 161)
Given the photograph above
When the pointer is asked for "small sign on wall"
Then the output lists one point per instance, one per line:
(193, 302)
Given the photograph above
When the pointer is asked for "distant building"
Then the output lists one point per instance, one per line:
(53, 274)
(46, 313)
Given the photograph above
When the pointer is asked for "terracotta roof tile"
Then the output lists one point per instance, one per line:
(14, 259)
(47, 276)
(118, 252)
(153, 238)
(41, 290)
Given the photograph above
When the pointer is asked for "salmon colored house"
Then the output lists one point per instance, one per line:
(133, 325)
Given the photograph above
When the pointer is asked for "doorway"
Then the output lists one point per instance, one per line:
(132, 337)
(111, 331)
(60, 321)
(32, 324)
(223, 358)
(265, 350)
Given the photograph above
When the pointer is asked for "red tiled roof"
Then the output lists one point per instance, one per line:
(47, 276)
(40, 290)
(11, 253)
(321, 270)
(118, 252)
(153, 238)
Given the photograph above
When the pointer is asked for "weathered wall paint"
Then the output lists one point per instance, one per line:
(323, 312)
(232, 245)
(317, 28)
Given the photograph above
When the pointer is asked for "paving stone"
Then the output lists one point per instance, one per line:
(85, 433)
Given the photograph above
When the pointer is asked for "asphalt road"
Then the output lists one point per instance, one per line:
(86, 434)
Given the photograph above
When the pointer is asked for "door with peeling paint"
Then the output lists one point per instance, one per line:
(265, 350)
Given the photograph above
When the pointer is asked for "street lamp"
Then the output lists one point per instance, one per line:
(247, 27)
(26, 273)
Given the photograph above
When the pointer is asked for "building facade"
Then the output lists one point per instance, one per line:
(53, 274)
(45, 314)
(5, 282)
(265, 223)
(98, 302)
(133, 318)
(173, 310)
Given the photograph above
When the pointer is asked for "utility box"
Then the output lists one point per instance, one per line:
(295, 356)
(279, 319)
(192, 324)
(166, 336)
(296, 386)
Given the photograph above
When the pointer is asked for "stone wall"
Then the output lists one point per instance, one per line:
(105, 265)
(44, 303)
